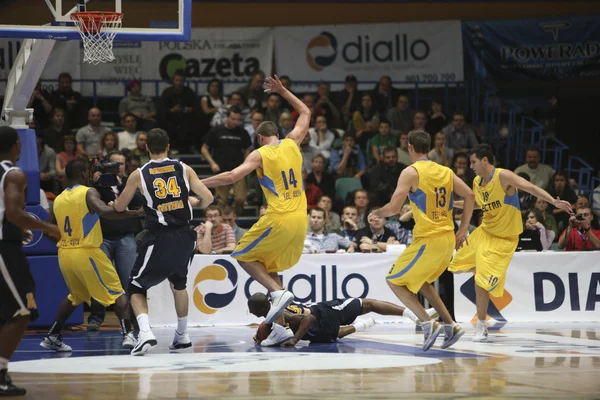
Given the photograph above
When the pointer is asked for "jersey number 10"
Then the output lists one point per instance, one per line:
(162, 188)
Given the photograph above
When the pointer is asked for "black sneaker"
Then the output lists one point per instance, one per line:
(6, 386)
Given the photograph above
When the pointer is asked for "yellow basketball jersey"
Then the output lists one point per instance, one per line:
(281, 177)
(432, 202)
(501, 212)
(78, 226)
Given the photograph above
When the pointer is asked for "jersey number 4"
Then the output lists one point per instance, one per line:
(170, 187)
(67, 227)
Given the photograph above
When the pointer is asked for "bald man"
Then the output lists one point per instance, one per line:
(89, 137)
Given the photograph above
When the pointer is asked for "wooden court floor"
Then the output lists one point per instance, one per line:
(526, 361)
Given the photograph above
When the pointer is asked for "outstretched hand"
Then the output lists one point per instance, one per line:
(564, 205)
(274, 85)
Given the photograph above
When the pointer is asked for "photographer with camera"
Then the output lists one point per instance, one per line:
(579, 235)
(119, 243)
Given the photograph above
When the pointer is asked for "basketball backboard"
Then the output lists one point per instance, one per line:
(147, 20)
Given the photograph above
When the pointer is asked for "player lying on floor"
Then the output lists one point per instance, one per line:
(322, 322)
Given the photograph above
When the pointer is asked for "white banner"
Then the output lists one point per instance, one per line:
(547, 287)
(414, 51)
(219, 288)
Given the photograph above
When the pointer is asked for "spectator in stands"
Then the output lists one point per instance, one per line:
(375, 237)
(348, 161)
(321, 240)
(403, 225)
(582, 201)
(225, 148)
(436, 119)
(221, 239)
(321, 138)
(440, 153)
(540, 174)
(535, 222)
(401, 117)
(68, 153)
(133, 163)
(460, 137)
(308, 152)
(66, 98)
(526, 200)
(403, 156)
(109, 143)
(211, 103)
(287, 83)
(253, 92)
(89, 137)
(325, 103)
(332, 219)
(579, 235)
(460, 164)
(361, 202)
(419, 121)
(381, 141)
(229, 217)
(561, 189)
(41, 108)
(313, 193)
(54, 134)
(128, 137)
(140, 150)
(286, 124)
(47, 163)
(257, 117)
(549, 220)
(138, 104)
(235, 100)
(365, 121)
(383, 178)
(309, 100)
(274, 110)
(320, 177)
(348, 99)
(349, 220)
(177, 113)
(385, 96)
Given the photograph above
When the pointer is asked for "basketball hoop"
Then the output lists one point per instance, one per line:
(97, 42)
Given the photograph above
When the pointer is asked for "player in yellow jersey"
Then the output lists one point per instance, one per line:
(275, 242)
(430, 187)
(86, 269)
(492, 245)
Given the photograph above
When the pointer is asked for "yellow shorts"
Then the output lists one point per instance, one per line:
(423, 261)
(490, 256)
(89, 273)
(276, 241)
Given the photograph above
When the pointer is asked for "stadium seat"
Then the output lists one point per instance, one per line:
(344, 186)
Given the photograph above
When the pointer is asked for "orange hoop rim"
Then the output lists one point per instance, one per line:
(97, 15)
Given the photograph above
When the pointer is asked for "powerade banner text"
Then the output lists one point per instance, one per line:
(544, 49)
(419, 51)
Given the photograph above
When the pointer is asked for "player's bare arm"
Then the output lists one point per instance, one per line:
(96, 205)
(205, 197)
(468, 205)
(408, 179)
(509, 179)
(253, 161)
(300, 130)
(304, 322)
(14, 202)
(133, 183)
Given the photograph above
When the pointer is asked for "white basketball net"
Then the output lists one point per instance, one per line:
(97, 42)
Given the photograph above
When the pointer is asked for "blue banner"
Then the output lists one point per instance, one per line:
(542, 49)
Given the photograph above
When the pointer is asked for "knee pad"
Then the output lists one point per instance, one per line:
(133, 289)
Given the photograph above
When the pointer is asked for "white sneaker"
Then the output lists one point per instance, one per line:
(363, 324)
(431, 330)
(280, 299)
(481, 333)
(278, 335)
(145, 342)
(180, 341)
(55, 342)
(451, 334)
(128, 341)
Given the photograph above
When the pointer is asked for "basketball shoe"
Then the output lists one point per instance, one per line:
(6, 386)
(145, 342)
(181, 341)
(278, 335)
(280, 299)
(481, 332)
(431, 330)
(452, 333)
(128, 341)
(55, 342)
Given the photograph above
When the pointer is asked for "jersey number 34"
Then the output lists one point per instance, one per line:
(162, 188)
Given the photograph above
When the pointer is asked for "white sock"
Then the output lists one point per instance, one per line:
(3, 363)
(410, 315)
(182, 325)
(481, 323)
(143, 322)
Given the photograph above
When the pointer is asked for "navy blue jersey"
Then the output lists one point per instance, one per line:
(167, 191)
(8, 230)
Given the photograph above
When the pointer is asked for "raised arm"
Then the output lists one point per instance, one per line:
(468, 205)
(96, 205)
(274, 85)
(509, 178)
(253, 161)
(408, 178)
(133, 183)
(205, 197)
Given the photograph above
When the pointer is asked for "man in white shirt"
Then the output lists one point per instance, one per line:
(128, 138)
(539, 174)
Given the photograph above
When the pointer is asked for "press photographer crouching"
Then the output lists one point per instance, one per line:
(119, 235)
(579, 235)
